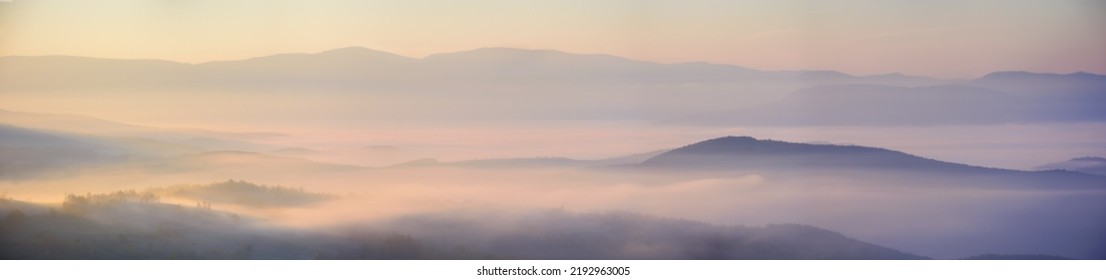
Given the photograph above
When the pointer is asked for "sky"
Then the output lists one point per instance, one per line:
(942, 38)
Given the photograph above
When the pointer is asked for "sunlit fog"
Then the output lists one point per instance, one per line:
(793, 136)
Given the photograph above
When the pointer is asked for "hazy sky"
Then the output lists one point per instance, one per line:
(941, 38)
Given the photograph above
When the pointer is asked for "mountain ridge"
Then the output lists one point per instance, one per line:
(555, 85)
(368, 52)
(532, 51)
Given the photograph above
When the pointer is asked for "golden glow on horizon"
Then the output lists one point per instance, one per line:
(958, 39)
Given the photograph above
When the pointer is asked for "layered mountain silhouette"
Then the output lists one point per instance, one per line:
(366, 65)
(1090, 165)
(1059, 99)
(1043, 83)
(505, 83)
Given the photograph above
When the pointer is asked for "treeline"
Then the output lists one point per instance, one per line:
(118, 225)
(245, 194)
(130, 229)
(234, 192)
(86, 234)
(79, 203)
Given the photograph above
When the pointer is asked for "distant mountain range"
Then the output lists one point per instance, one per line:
(504, 83)
(1057, 98)
(1090, 165)
(357, 64)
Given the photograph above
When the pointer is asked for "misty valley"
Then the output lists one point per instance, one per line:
(535, 154)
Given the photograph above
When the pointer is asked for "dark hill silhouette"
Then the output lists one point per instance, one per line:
(747, 153)
(619, 235)
(245, 194)
(133, 225)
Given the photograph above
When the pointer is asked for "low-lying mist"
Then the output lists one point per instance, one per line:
(528, 154)
(483, 190)
(461, 211)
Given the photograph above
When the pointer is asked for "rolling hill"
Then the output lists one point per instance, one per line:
(732, 153)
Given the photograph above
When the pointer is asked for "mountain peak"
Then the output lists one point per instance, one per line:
(732, 138)
(727, 142)
(750, 145)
